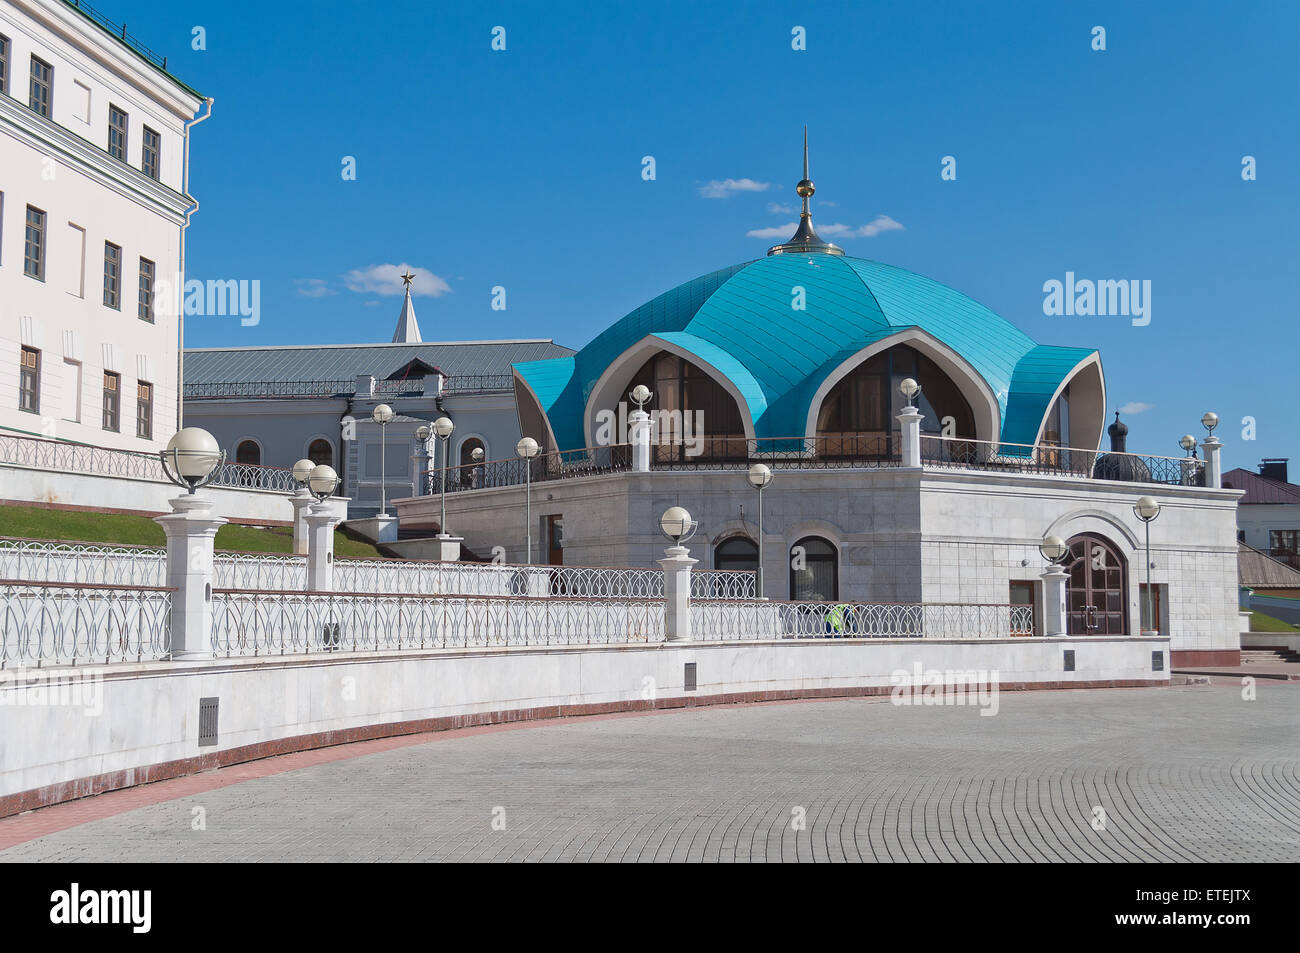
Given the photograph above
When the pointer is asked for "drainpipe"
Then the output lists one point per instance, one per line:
(180, 292)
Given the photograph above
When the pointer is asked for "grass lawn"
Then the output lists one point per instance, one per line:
(34, 522)
(1259, 622)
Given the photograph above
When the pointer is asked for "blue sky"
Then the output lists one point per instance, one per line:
(523, 169)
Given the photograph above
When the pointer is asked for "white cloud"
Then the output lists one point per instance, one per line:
(776, 208)
(314, 287)
(1135, 407)
(724, 188)
(881, 223)
(776, 231)
(387, 280)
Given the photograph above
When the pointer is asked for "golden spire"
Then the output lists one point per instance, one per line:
(805, 239)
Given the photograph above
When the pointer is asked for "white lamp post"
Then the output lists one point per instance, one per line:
(677, 525)
(1054, 578)
(300, 500)
(422, 434)
(1147, 509)
(444, 428)
(639, 429)
(1212, 445)
(760, 475)
(382, 415)
(909, 420)
(191, 460)
(321, 520)
(527, 448)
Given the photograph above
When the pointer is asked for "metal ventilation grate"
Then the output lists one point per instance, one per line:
(1069, 660)
(689, 677)
(208, 721)
(1157, 661)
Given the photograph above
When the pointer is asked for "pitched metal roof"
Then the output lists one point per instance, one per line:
(1258, 570)
(332, 362)
(1261, 489)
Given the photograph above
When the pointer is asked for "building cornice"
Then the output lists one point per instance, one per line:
(67, 147)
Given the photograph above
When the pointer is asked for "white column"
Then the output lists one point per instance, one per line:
(1213, 469)
(1187, 471)
(910, 420)
(1054, 621)
(191, 528)
(321, 519)
(639, 426)
(677, 563)
(300, 501)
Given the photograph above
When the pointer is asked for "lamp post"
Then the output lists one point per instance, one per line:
(760, 475)
(677, 525)
(382, 415)
(300, 500)
(527, 448)
(321, 520)
(192, 458)
(476, 471)
(1147, 509)
(639, 427)
(1054, 550)
(910, 422)
(422, 434)
(1188, 463)
(444, 428)
(1212, 445)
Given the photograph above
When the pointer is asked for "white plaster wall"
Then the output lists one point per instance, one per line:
(149, 713)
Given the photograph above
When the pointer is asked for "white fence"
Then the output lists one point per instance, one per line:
(286, 623)
(111, 565)
(68, 624)
(840, 620)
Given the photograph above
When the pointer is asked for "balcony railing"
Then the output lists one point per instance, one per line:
(77, 623)
(552, 465)
(958, 453)
(832, 620)
(409, 387)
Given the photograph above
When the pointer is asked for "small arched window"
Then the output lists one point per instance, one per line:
(472, 455)
(248, 452)
(320, 452)
(814, 571)
(736, 552)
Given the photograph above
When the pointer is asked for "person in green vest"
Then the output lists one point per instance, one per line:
(837, 619)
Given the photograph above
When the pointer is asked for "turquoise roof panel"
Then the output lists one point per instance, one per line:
(778, 325)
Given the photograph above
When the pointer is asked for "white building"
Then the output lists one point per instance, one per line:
(94, 201)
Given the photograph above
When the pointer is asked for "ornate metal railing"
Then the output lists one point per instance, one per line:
(284, 623)
(962, 454)
(478, 384)
(409, 386)
(216, 390)
(553, 465)
(67, 457)
(833, 452)
(68, 623)
(846, 620)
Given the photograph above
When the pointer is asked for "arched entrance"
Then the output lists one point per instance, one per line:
(697, 419)
(1096, 593)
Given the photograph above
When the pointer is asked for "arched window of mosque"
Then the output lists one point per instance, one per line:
(814, 571)
(320, 452)
(697, 419)
(736, 552)
(858, 418)
(471, 464)
(248, 452)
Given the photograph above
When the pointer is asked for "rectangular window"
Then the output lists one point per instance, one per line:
(144, 410)
(151, 160)
(145, 308)
(4, 64)
(34, 249)
(112, 276)
(112, 400)
(29, 381)
(1024, 608)
(116, 133)
(1284, 542)
(41, 95)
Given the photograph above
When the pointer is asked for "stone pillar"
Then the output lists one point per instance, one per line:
(321, 519)
(677, 593)
(910, 420)
(1187, 471)
(1213, 468)
(191, 528)
(1054, 620)
(300, 501)
(639, 427)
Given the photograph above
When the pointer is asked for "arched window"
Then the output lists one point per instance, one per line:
(320, 452)
(248, 452)
(1096, 593)
(693, 411)
(858, 417)
(736, 552)
(814, 571)
(471, 464)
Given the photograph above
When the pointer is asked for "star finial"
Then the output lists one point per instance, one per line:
(407, 279)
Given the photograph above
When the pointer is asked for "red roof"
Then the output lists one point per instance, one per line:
(1260, 489)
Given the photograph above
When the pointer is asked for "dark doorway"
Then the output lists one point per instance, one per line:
(1096, 594)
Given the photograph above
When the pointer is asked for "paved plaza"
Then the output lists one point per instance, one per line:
(1191, 773)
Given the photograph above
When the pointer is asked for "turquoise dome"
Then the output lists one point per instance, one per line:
(740, 321)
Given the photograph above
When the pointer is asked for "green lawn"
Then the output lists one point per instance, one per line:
(1259, 622)
(34, 522)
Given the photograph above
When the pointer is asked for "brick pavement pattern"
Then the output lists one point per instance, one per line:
(1190, 773)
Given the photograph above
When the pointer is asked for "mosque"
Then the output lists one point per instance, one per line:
(807, 360)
